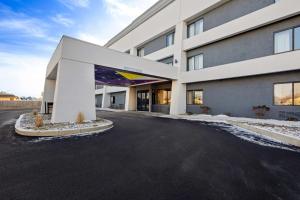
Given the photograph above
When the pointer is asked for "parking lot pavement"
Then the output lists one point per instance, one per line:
(144, 157)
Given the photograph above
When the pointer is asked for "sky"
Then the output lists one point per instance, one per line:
(31, 29)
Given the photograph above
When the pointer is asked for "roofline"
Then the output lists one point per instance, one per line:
(158, 6)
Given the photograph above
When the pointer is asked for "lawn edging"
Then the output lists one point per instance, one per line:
(99, 127)
(285, 139)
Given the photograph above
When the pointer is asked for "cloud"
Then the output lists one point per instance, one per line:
(22, 74)
(28, 27)
(75, 3)
(18, 23)
(60, 19)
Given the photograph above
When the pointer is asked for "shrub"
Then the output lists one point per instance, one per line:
(205, 109)
(260, 111)
(39, 122)
(80, 118)
(292, 119)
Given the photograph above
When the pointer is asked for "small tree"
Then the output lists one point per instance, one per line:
(80, 118)
(39, 122)
(260, 111)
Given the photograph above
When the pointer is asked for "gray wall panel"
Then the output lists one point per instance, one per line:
(156, 44)
(98, 100)
(161, 108)
(232, 10)
(119, 100)
(253, 44)
(238, 96)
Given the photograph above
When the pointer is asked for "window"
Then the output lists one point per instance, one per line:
(162, 97)
(297, 38)
(141, 52)
(195, 28)
(283, 41)
(287, 94)
(170, 39)
(195, 97)
(195, 62)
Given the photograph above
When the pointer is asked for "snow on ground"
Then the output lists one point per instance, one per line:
(289, 128)
(254, 137)
(225, 119)
(110, 109)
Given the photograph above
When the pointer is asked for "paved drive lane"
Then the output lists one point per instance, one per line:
(144, 157)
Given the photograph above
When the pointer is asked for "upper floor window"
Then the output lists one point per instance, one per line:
(287, 40)
(195, 62)
(297, 38)
(283, 41)
(141, 52)
(195, 28)
(170, 39)
(287, 94)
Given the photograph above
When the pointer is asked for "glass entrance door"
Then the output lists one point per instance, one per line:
(143, 100)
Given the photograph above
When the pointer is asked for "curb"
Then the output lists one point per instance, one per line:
(285, 139)
(50, 133)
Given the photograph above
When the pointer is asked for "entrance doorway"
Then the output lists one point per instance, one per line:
(143, 100)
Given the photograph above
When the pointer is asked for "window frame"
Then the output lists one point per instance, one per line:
(173, 39)
(193, 97)
(293, 92)
(293, 39)
(193, 22)
(194, 58)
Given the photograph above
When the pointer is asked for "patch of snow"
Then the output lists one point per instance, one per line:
(225, 118)
(290, 128)
(254, 137)
(92, 133)
(8, 122)
(110, 110)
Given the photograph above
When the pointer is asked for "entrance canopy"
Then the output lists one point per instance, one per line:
(76, 65)
(110, 76)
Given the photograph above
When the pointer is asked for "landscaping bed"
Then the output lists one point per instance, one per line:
(26, 125)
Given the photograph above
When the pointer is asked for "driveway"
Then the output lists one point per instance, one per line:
(144, 157)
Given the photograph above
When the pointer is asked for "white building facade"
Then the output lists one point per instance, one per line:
(210, 56)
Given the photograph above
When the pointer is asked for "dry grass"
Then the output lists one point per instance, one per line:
(39, 122)
(80, 118)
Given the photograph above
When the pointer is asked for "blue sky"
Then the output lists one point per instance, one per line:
(31, 29)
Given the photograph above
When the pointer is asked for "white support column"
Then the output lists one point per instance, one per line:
(178, 99)
(74, 92)
(105, 98)
(130, 101)
(48, 94)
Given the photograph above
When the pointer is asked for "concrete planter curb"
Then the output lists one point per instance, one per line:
(285, 139)
(64, 132)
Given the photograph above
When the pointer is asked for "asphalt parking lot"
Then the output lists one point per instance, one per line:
(144, 157)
